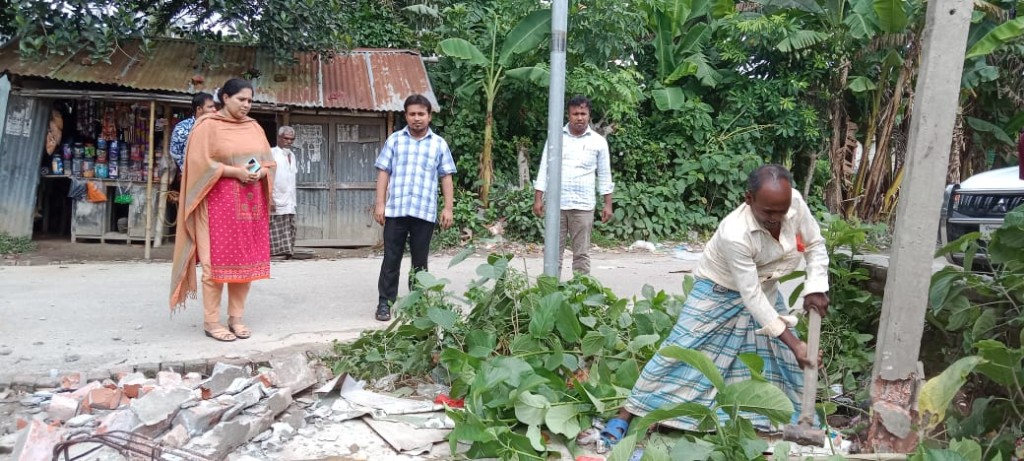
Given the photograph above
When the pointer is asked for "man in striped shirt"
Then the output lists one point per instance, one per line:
(409, 167)
(586, 173)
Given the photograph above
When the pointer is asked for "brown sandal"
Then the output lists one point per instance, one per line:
(220, 334)
(239, 329)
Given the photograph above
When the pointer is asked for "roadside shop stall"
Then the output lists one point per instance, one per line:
(71, 122)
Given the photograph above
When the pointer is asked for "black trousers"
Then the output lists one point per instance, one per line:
(397, 232)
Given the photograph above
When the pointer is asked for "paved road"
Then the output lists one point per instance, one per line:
(94, 317)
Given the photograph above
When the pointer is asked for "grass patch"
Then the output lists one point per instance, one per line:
(15, 245)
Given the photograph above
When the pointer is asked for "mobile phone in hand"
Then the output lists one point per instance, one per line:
(253, 165)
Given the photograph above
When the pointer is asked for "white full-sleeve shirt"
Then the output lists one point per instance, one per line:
(284, 181)
(586, 170)
(743, 256)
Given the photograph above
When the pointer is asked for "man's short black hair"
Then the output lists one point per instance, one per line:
(199, 100)
(418, 99)
(579, 101)
(770, 173)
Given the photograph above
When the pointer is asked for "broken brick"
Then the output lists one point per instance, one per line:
(62, 407)
(84, 391)
(36, 442)
(104, 399)
(72, 381)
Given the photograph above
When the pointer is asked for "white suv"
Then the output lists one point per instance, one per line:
(979, 204)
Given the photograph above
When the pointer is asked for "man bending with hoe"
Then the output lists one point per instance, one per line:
(735, 306)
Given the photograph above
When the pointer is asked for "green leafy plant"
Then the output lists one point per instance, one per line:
(515, 207)
(15, 245)
(983, 305)
(527, 357)
(985, 310)
(492, 69)
(468, 221)
(848, 331)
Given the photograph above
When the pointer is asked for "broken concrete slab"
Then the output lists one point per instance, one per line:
(192, 380)
(120, 420)
(81, 420)
(405, 438)
(240, 384)
(293, 372)
(168, 379)
(7, 443)
(36, 442)
(222, 377)
(249, 397)
(177, 437)
(229, 435)
(131, 378)
(282, 431)
(381, 404)
(242, 400)
(160, 404)
(62, 407)
(294, 417)
(34, 400)
(200, 418)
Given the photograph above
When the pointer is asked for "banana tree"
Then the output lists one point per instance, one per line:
(681, 34)
(525, 36)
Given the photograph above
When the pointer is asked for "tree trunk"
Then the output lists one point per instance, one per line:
(956, 152)
(523, 160)
(837, 144)
(486, 162)
(876, 181)
(855, 195)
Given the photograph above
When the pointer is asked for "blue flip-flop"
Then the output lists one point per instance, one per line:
(614, 430)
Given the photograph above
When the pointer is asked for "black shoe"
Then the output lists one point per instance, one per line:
(383, 313)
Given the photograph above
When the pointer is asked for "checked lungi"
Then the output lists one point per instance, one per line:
(282, 234)
(714, 321)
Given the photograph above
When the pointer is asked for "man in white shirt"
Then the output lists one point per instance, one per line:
(735, 306)
(586, 173)
(282, 215)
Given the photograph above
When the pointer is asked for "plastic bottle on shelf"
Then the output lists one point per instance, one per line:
(57, 164)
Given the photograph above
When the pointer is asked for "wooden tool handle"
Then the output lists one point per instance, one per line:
(811, 373)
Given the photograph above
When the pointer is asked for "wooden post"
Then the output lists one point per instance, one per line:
(897, 373)
(285, 118)
(165, 179)
(149, 179)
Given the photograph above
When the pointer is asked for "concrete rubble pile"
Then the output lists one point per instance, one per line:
(342, 418)
(209, 416)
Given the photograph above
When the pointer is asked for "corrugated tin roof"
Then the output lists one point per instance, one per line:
(362, 79)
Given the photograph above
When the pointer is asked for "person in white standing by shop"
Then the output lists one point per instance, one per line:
(282, 211)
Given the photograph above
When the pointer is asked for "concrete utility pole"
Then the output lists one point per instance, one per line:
(556, 109)
(897, 372)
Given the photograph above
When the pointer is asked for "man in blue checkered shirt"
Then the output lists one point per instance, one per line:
(586, 174)
(409, 167)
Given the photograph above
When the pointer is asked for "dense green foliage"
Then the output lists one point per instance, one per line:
(538, 360)
(984, 313)
(691, 93)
